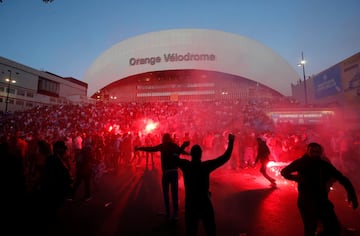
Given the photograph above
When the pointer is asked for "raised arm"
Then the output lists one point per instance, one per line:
(183, 146)
(221, 160)
(228, 151)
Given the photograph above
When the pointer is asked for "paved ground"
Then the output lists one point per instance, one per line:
(127, 203)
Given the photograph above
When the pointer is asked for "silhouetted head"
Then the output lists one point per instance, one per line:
(44, 147)
(314, 150)
(166, 138)
(59, 147)
(196, 152)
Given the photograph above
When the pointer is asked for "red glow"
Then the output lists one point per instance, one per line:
(275, 167)
(276, 164)
(114, 128)
(150, 126)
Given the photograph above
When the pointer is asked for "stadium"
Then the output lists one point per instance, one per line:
(192, 65)
(189, 65)
(193, 83)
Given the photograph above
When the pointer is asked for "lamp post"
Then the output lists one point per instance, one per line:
(302, 64)
(9, 81)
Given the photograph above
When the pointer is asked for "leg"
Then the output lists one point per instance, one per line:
(165, 187)
(309, 216)
(191, 220)
(152, 160)
(87, 186)
(78, 179)
(331, 224)
(175, 193)
(263, 170)
(208, 217)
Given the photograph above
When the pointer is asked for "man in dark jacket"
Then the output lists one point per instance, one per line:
(312, 173)
(169, 167)
(263, 156)
(198, 205)
(57, 180)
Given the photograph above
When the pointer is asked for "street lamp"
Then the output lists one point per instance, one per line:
(9, 81)
(302, 63)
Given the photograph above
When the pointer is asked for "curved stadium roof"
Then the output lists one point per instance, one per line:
(199, 49)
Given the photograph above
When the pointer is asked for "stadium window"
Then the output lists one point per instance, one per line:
(21, 92)
(30, 94)
(20, 103)
(11, 90)
(48, 87)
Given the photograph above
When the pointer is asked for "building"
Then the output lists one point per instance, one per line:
(337, 87)
(188, 64)
(22, 87)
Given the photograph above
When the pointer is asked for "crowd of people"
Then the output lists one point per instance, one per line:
(101, 137)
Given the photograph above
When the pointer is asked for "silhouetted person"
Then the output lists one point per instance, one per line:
(12, 196)
(169, 167)
(43, 151)
(57, 181)
(263, 154)
(313, 173)
(37, 217)
(84, 164)
(198, 205)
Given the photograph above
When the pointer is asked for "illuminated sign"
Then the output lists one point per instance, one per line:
(301, 117)
(171, 57)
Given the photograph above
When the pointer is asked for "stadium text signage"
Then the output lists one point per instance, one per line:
(171, 57)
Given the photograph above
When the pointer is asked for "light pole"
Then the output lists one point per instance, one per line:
(9, 81)
(302, 63)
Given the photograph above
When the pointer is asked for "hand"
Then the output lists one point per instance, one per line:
(353, 200)
(186, 144)
(231, 137)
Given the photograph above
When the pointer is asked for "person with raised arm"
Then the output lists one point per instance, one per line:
(198, 204)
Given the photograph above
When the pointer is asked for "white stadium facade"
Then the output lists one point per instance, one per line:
(188, 64)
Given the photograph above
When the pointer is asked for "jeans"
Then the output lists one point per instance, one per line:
(170, 179)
